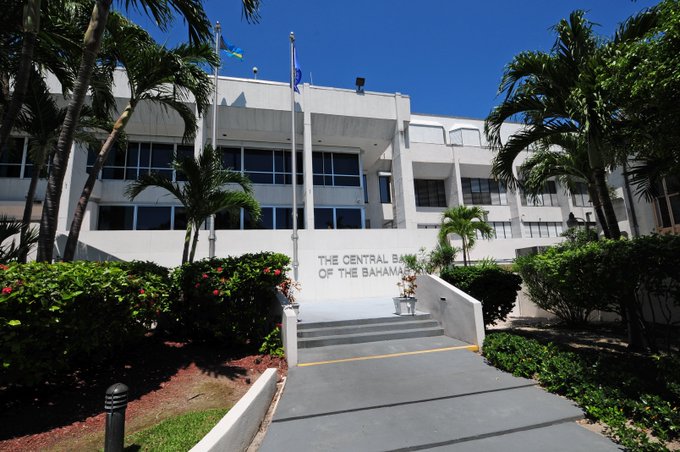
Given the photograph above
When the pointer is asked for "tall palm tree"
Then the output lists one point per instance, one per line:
(162, 11)
(9, 228)
(202, 194)
(464, 222)
(558, 93)
(569, 164)
(41, 119)
(168, 77)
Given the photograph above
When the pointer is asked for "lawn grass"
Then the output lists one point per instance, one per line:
(179, 433)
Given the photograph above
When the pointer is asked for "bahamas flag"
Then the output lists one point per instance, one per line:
(231, 50)
(298, 71)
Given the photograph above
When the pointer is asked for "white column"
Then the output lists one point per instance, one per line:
(307, 157)
(70, 194)
(402, 170)
(199, 141)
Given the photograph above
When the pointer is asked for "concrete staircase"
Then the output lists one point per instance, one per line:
(321, 334)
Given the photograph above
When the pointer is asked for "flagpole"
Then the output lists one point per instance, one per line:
(293, 155)
(211, 220)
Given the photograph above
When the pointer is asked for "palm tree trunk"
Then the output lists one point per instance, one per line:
(91, 44)
(465, 259)
(79, 213)
(195, 242)
(187, 241)
(597, 206)
(28, 210)
(31, 28)
(605, 200)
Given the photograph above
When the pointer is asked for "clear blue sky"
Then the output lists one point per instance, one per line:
(447, 55)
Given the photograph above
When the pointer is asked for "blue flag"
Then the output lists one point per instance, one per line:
(298, 71)
(231, 50)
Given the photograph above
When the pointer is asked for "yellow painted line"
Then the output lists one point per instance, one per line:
(472, 348)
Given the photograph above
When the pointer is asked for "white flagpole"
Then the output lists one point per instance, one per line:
(293, 155)
(211, 221)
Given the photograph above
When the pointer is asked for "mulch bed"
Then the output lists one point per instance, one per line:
(165, 378)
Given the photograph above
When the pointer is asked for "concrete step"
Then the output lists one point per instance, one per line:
(367, 328)
(358, 338)
(394, 319)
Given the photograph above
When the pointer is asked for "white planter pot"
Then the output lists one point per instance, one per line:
(405, 306)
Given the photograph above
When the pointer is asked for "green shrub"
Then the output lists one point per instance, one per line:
(494, 287)
(572, 281)
(273, 345)
(54, 317)
(625, 394)
(227, 299)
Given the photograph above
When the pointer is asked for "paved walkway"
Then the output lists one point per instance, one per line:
(418, 394)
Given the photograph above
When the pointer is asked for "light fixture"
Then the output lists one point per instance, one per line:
(360, 82)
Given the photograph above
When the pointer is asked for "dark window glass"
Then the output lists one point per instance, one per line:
(317, 162)
(348, 218)
(231, 158)
(333, 169)
(161, 155)
(429, 193)
(662, 212)
(266, 220)
(144, 156)
(347, 181)
(675, 208)
(116, 218)
(580, 197)
(284, 219)
(153, 218)
(132, 162)
(10, 161)
(346, 164)
(323, 218)
(228, 219)
(365, 189)
(180, 218)
(483, 192)
(385, 190)
(258, 160)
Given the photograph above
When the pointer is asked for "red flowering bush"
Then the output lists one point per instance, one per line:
(227, 299)
(54, 317)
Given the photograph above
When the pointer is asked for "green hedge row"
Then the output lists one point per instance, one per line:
(57, 317)
(573, 281)
(631, 396)
(494, 287)
(54, 317)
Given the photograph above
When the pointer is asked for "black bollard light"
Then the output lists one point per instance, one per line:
(115, 404)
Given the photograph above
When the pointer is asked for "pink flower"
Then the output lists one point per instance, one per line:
(219, 269)
(197, 285)
(141, 291)
(266, 270)
(6, 290)
(278, 325)
(277, 272)
(205, 276)
(216, 292)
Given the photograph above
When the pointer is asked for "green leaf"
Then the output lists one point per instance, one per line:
(14, 322)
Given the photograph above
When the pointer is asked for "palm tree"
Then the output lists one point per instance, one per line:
(202, 194)
(465, 222)
(41, 119)
(155, 74)
(162, 12)
(558, 93)
(568, 164)
(8, 229)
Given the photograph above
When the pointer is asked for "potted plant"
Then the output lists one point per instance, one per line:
(287, 289)
(405, 303)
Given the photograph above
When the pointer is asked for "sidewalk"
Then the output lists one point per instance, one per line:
(427, 394)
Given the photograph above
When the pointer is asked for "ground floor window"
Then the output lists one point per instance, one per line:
(141, 218)
(385, 187)
(15, 161)
(337, 218)
(667, 205)
(271, 218)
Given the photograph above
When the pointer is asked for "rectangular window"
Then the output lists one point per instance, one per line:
(481, 192)
(535, 229)
(429, 193)
(419, 133)
(363, 181)
(141, 218)
(548, 197)
(139, 159)
(228, 219)
(231, 158)
(336, 169)
(12, 156)
(266, 220)
(580, 196)
(337, 218)
(270, 166)
(385, 187)
(116, 218)
(153, 218)
(465, 136)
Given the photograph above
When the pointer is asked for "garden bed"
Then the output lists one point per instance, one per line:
(165, 378)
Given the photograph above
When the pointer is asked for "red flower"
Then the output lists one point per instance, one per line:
(216, 292)
(219, 269)
(205, 276)
(3, 267)
(266, 270)
(278, 325)
(197, 285)
(277, 272)
(6, 290)
(141, 291)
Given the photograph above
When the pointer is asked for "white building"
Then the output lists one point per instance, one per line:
(365, 161)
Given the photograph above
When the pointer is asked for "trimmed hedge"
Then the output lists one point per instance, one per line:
(227, 299)
(494, 287)
(54, 317)
(573, 281)
(644, 390)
